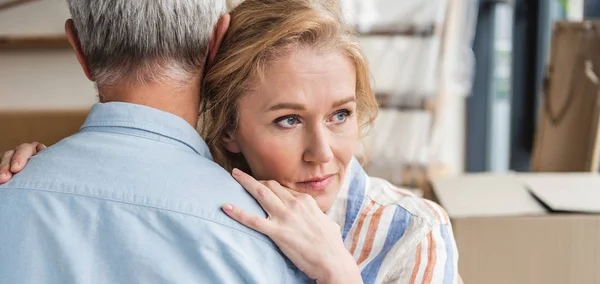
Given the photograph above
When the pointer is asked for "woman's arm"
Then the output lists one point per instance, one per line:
(14, 161)
(300, 229)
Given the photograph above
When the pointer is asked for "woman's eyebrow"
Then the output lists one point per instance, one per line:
(297, 106)
(343, 101)
(294, 106)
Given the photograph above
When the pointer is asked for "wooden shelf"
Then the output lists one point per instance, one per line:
(411, 31)
(33, 42)
(405, 103)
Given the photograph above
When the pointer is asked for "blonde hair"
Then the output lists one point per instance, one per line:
(260, 32)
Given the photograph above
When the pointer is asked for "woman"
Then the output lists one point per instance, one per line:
(287, 100)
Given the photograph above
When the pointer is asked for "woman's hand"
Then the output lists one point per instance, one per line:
(14, 161)
(300, 229)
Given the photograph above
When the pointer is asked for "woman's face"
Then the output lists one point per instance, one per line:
(298, 124)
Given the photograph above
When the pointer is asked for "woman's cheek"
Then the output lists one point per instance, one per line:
(345, 149)
(275, 156)
(345, 142)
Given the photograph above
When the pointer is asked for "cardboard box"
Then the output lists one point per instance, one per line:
(525, 228)
(48, 127)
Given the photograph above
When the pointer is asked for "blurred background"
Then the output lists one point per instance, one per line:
(507, 89)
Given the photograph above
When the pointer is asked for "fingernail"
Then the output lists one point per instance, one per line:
(3, 176)
(227, 207)
(15, 165)
(235, 172)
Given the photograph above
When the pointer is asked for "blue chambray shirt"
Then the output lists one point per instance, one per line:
(133, 197)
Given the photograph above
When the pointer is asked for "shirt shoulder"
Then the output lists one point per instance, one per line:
(122, 169)
(422, 235)
(384, 193)
(127, 237)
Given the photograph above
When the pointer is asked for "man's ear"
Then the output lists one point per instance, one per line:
(231, 143)
(74, 41)
(216, 38)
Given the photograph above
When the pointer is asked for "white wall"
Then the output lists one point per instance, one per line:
(43, 78)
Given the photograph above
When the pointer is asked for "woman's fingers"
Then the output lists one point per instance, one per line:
(40, 147)
(249, 220)
(14, 161)
(22, 155)
(265, 197)
(5, 173)
(285, 195)
(299, 228)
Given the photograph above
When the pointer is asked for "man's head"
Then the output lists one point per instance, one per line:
(143, 42)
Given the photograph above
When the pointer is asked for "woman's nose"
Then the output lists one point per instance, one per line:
(318, 149)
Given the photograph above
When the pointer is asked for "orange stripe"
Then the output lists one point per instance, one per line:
(417, 264)
(435, 211)
(371, 233)
(401, 192)
(361, 221)
(430, 260)
(443, 219)
(446, 217)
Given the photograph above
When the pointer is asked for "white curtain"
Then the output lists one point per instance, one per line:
(382, 14)
(438, 67)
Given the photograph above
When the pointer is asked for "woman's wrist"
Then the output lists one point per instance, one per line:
(342, 271)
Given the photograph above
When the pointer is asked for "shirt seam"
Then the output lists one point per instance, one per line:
(431, 223)
(371, 194)
(136, 126)
(138, 135)
(119, 123)
(146, 206)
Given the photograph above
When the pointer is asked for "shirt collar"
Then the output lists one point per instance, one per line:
(351, 195)
(150, 120)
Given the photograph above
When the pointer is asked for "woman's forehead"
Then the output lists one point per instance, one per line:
(306, 75)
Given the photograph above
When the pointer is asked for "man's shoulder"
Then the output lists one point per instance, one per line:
(186, 184)
(134, 232)
(195, 217)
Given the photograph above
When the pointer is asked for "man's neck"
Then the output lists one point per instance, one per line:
(180, 100)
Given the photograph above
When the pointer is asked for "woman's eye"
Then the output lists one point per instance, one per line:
(287, 121)
(340, 116)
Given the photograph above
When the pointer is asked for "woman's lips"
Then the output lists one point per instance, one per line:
(318, 184)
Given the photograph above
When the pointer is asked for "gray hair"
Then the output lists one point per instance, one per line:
(143, 41)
